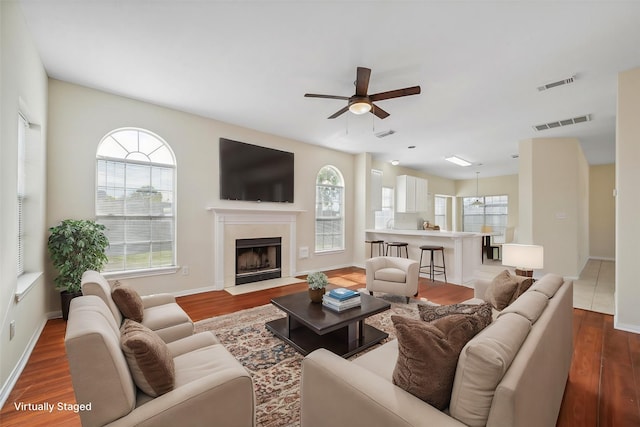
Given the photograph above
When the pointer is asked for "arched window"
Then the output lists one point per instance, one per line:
(135, 199)
(329, 210)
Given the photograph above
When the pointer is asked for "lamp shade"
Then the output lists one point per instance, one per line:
(360, 107)
(523, 256)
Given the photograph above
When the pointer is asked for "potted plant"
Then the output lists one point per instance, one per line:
(75, 246)
(317, 281)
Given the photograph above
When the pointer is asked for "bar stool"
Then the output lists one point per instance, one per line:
(433, 268)
(380, 244)
(398, 246)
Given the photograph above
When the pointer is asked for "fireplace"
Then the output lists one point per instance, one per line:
(258, 259)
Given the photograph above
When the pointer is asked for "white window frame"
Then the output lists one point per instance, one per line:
(21, 191)
(337, 187)
(384, 217)
(136, 152)
(440, 212)
(494, 212)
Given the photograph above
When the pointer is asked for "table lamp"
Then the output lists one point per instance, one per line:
(525, 258)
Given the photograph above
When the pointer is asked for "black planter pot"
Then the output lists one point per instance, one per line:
(65, 301)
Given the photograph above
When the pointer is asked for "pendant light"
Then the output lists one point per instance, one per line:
(477, 202)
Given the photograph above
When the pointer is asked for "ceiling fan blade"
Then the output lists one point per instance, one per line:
(315, 95)
(339, 112)
(362, 81)
(379, 112)
(414, 90)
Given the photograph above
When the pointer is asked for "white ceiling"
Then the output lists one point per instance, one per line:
(250, 63)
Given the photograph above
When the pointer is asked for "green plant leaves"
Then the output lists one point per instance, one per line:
(76, 246)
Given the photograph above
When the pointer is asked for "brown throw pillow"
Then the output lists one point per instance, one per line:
(128, 301)
(428, 355)
(524, 283)
(148, 357)
(501, 290)
(429, 313)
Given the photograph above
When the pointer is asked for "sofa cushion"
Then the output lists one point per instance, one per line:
(429, 312)
(529, 305)
(149, 359)
(481, 366)
(128, 301)
(548, 285)
(524, 283)
(501, 290)
(391, 274)
(428, 354)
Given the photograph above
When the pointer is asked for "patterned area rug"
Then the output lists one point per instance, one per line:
(274, 366)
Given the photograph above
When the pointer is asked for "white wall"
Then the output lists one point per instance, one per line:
(23, 87)
(80, 117)
(602, 212)
(557, 194)
(627, 296)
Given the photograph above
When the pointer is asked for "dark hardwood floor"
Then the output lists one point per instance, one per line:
(602, 390)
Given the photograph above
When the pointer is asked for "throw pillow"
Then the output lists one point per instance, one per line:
(429, 313)
(524, 283)
(128, 301)
(501, 290)
(428, 355)
(148, 357)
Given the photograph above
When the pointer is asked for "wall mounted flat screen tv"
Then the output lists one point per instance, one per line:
(253, 173)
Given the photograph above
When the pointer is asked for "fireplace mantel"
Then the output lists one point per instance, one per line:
(253, 210)
(229, 224)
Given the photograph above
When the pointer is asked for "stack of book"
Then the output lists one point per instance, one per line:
(341, 299)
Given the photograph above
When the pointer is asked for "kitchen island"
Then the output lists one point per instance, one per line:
(462, 250)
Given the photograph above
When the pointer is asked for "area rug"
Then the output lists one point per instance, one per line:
(274, 365)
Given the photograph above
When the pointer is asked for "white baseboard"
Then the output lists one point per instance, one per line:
(625, 326)
(601, 258)
(11, 381)
(195, 291)
(333, 267)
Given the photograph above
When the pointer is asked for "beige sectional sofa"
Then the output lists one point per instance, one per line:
(211, 387)
(513, 373)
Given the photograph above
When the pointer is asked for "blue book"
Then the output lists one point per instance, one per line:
(342, 294)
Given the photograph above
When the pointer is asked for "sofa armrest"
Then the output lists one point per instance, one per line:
(193, 342)
(336, 392)
(480, 287)
(224, 398)
(157, 299)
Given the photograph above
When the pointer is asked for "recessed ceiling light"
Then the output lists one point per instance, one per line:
(458, 161)
(395, 162)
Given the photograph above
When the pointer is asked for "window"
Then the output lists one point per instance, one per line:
(493, 211)
(135, 199)
(21, 190)
(384, 217)
(440, 207)
(329, 210)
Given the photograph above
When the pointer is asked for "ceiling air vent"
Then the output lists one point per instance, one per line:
(565, 122)
(556, 84)
(385, 133)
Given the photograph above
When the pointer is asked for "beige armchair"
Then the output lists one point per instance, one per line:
(210, 388)
(161, 312)
(392, 275)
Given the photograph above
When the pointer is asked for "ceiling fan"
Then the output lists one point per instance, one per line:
(361, 102)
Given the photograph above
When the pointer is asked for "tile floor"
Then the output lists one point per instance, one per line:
(594, 289)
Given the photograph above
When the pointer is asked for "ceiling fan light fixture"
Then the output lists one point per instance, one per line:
(360, 107)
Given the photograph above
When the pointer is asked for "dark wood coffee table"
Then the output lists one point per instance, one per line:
(309, 326)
